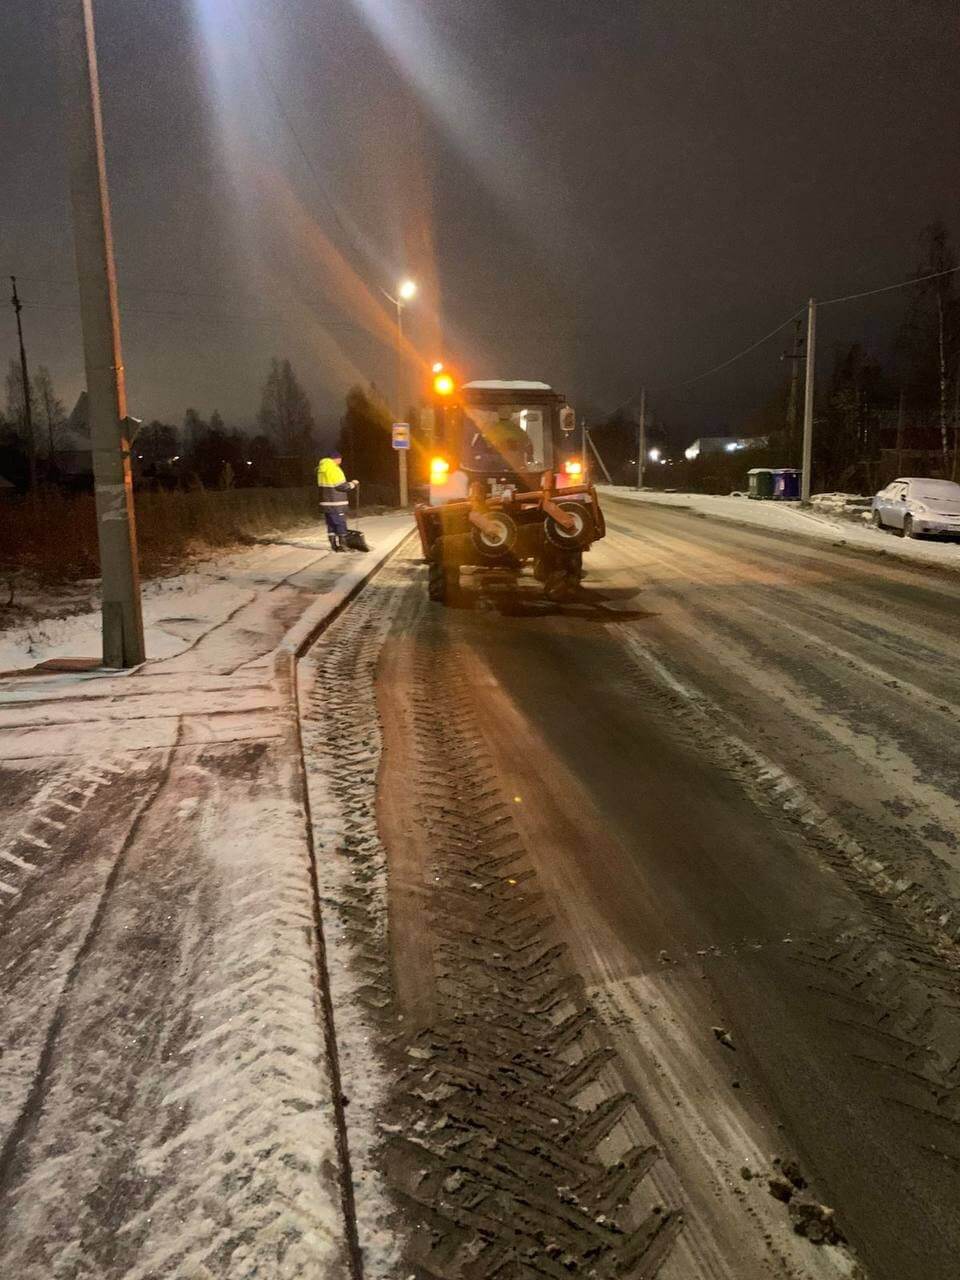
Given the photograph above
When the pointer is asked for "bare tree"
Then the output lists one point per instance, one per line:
(15, 393)
(285, 413)
(931, 332)
(54, 413)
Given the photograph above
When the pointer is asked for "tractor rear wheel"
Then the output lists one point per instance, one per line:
(443, 571)
(561, 580)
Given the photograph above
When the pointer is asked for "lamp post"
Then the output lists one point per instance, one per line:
(406, 290)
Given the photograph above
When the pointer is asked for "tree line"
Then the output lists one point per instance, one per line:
(280, 448)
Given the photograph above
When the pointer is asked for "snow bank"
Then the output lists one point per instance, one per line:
(790, 517)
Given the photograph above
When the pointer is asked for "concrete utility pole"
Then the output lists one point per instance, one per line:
(406, 290)
(807, 462)
(123, 644)
(642, 437)
(27, 405)
(401, 453)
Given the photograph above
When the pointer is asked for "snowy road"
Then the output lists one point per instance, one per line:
(630, 907)
(722, 793)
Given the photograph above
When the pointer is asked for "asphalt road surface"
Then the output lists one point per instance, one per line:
(673, 886)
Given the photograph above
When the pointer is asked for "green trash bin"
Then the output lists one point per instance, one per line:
(760, 480)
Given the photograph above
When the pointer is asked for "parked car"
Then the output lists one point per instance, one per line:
(915, 507)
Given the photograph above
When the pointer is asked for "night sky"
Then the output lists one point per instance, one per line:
(599, 193)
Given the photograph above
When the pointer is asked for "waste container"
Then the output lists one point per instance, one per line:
(786, 483)
(760, 481)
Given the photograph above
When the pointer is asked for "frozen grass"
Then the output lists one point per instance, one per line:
(54, 539)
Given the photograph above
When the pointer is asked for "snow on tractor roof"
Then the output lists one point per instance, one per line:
(496, 385)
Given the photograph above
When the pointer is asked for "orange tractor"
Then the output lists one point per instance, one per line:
(507, 489)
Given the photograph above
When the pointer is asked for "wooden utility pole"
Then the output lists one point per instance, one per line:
(808, 389)
(27, 405)
(123, 644)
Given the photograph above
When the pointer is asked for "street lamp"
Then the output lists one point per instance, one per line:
(406, 290)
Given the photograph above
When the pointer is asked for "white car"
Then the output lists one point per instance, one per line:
(915, 507)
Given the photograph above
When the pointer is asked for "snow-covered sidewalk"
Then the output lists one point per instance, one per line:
(790, 517)
(169, 1102)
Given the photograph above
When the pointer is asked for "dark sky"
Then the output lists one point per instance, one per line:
(600, 193)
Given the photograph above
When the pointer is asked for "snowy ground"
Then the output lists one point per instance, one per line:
(789, 517)
(178, 611)
(167, 1107)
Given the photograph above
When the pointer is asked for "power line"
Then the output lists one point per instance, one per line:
(848, 297)
(193, 315)
(902, 284)
(285, 117)
(678, 386)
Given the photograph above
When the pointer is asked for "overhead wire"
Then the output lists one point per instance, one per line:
(847, 297)
(678, 386)
(887, 288)
(181, 315)
(287, 121)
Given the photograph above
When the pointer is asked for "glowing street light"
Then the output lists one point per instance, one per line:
(438, 366)
(406, 291)
(654, 455)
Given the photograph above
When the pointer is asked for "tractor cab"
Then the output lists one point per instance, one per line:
(507, 490)
(502, 436)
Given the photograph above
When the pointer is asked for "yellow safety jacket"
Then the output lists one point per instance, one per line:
(332, 483)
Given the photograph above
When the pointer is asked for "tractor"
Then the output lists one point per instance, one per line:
(507, 489)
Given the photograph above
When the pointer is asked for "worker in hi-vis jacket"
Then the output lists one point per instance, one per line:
(334, 487)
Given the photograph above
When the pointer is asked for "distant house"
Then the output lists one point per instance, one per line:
(723, 444)
(74, 452)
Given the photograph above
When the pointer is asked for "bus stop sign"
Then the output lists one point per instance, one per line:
(401, 435)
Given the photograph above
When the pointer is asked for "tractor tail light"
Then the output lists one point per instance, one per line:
(573, 468)
(439, 470)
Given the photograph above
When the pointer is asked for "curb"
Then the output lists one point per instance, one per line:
(295, 644)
